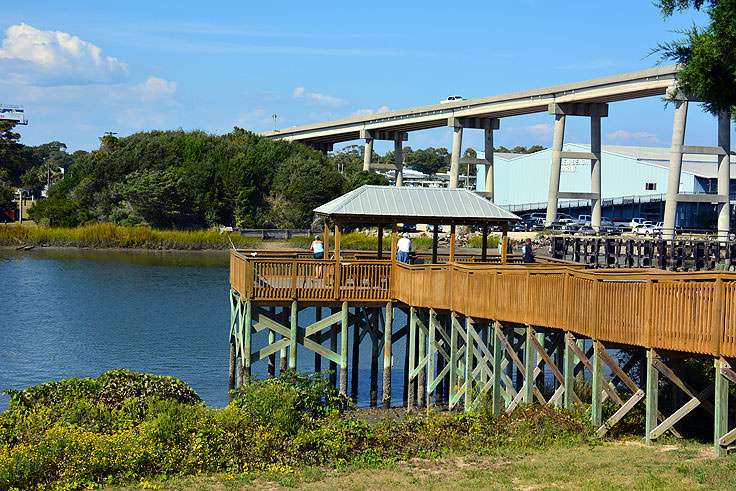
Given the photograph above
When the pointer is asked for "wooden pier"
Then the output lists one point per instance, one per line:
(483, 324)
(476, 327)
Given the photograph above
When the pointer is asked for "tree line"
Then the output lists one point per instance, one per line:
(191, 179)
(176, 179)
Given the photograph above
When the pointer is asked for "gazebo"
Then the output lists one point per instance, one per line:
(389, 205)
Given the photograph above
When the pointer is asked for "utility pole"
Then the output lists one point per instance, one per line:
(274, 121)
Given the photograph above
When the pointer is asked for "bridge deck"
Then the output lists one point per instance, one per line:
(644, 83)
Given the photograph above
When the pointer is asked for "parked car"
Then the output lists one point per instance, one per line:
(528, 225)
(408, 227)
(430, 227)
(584, 219)
(586, 230)
(568, 224)
(610, 230)
(636, 221)
(645, 228)
(452, 98)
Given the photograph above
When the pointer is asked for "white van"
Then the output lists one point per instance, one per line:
(584, 219)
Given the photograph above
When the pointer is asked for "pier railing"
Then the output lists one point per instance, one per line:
(688, 312)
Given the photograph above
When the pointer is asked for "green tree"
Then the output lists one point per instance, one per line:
(300, 185)
(155, 196)
(428, 160)
(707, 54)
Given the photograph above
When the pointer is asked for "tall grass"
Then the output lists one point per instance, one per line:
(107, 235)
(358, 241)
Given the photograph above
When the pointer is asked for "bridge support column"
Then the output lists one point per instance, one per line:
(488, 133)
(387, 355)
(399, 161)
(555, 167)
(367, 154)
(673, 180)
(724, 175)
(457, 142)
(595, 172)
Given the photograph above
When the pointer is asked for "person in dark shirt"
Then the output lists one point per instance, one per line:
(527, 253)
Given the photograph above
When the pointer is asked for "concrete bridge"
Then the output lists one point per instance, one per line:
(588, 98)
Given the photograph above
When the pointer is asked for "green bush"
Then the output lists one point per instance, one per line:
(272, 425)
(285, 401)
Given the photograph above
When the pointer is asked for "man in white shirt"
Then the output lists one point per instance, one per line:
(404, 246)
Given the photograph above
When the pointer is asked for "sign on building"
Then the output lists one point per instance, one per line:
(13, 113)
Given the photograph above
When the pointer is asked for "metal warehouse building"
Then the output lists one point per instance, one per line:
(633, 182)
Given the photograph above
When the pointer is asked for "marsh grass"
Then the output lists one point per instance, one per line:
(107, 235)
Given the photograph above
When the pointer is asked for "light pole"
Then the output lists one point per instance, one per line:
(274, 121)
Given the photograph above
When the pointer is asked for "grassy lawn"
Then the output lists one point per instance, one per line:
(615, 466)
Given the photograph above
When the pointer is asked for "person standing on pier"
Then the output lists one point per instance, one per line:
(404, 246)
(527, 253)
(318, 247)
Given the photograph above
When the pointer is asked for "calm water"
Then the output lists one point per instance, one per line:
(78, 313)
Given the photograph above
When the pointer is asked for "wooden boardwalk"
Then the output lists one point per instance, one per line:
(483, 327)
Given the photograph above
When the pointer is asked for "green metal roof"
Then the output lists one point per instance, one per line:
(386, 204)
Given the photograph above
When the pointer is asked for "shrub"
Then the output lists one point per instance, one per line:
(285, 401)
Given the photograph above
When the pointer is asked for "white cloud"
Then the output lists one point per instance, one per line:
(255, 120)
(301, 93)
(640, 136)
(155, 88)
(30, 56)
(543, 129)
(366, 112)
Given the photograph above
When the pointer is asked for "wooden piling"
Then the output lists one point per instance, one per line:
(422, 375)
(355, 354)
(333, 347)
(387, 354)
(231, 368)
(344, 350)
(373, 330)
(318, 340)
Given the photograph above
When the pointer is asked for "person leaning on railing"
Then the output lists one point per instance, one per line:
(404, 246)
(527, 253)
(318, 247)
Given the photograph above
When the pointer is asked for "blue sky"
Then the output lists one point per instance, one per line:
(84, 68)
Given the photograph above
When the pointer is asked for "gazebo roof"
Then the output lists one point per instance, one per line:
(391, 204)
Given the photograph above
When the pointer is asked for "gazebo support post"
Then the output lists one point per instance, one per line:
(393, 244)
(504, 242)
(338, 234)
(326, 239)
(484, 244)
(380, 241)
(435, 239)
(452, 242)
